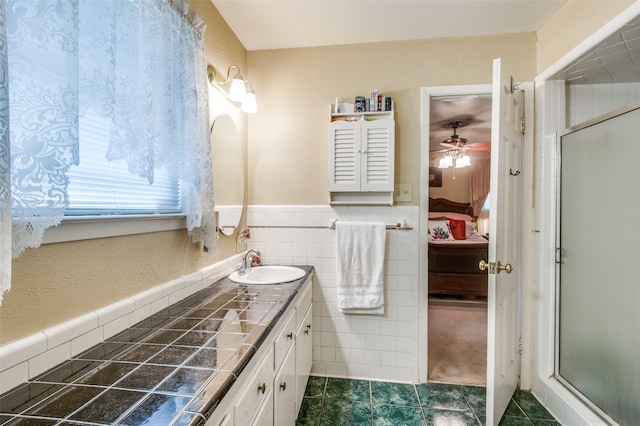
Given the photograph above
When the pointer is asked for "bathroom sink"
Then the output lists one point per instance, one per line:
(272, 274)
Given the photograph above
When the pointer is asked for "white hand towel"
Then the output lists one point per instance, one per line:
(360, 266)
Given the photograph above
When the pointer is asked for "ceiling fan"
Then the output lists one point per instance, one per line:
(454, 141)
(456, 152)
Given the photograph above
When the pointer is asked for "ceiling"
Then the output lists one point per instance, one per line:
(615, 60)
(475, 111)
(279, 24)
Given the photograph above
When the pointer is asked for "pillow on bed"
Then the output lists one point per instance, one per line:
(458, 228)
(470, 228)
(439, 230)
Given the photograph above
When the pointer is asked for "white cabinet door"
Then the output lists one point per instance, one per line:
(265, 415)
(304, 356)
(344, 157)
(220, 418)
(284, 341)
(377, 142)
(255, 393)
(284, 386)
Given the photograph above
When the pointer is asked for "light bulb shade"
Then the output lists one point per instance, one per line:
(237, 91)
(249, 104)
(464, 161)
(446, 162)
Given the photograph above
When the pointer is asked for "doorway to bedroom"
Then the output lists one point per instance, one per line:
(458, 188)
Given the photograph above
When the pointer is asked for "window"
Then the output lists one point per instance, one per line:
(101, 187)
(108, 115)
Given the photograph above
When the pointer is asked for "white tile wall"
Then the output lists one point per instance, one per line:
(357, 346)
(26, 358)
(587, 101)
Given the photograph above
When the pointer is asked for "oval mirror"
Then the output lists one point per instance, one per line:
(228, 173)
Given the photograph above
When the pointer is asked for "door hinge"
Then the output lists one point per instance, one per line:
(520, 346)
(523, 125)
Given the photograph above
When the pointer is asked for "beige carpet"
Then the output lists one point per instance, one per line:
(458, 342)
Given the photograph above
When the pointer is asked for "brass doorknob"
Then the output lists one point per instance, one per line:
(483, 265)
(507, 268)
(495, 268)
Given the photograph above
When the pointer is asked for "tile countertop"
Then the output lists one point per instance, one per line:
(173, 368)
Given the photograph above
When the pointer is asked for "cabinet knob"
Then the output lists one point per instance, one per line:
(283, 386)
(309, 326)
(290, 335)
(262, 388)
(306, 331)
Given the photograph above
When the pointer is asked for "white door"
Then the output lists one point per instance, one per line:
(504, 244)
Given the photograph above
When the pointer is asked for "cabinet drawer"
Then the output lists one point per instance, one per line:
(284, 341)
(258, 389)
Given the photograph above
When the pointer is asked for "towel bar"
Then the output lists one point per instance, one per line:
(399, 225)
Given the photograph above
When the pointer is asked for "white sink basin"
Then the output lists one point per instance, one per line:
(268, 275)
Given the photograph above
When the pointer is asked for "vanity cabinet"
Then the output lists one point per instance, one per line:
(268, 391)
(362, 158)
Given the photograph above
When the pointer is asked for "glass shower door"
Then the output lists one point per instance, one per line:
(598, 350)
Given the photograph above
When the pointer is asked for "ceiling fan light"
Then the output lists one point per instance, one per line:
(445, 162)
(464, 161)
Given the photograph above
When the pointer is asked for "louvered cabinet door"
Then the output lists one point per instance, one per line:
(377, 150)
(344, 156)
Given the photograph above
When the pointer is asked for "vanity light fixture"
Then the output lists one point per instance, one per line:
(238, 91)
(249, 104)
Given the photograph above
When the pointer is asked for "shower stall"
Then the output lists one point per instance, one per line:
(598, 264)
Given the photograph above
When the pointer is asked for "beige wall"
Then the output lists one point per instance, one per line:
(453, 189)
(569, 26)
(288, 137)
(57, 282)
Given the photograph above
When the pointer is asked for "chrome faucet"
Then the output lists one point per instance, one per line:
(245, 265)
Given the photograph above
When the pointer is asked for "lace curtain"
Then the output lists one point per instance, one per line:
(138, 62)
(479, 183)
(5, 172)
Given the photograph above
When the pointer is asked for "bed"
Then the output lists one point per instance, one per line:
(454, 254)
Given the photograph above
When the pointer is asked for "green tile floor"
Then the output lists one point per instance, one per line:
(335, 402)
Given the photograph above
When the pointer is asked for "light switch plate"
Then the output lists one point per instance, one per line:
(403, 192)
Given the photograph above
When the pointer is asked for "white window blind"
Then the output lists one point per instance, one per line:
(101, 187)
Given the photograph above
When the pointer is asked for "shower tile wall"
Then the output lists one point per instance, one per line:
(587, 101)
(358, 346)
